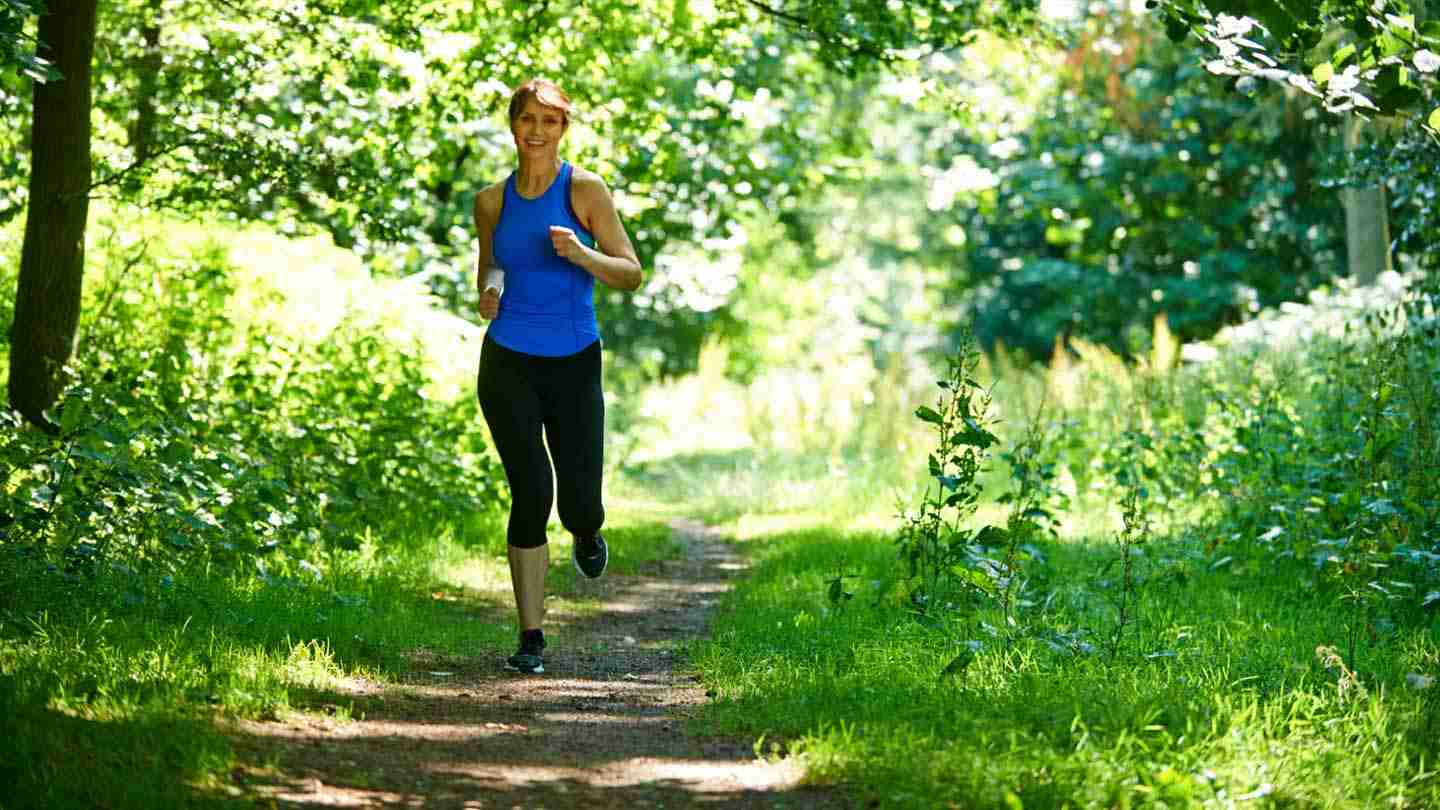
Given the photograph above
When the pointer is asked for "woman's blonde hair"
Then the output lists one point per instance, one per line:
(544, 91)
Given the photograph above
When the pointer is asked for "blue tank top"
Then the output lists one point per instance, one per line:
(548, 307)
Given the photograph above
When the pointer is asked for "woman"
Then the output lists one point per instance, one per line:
(547, 234)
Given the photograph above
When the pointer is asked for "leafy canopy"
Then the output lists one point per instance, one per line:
(1369, 56)
(377, 122)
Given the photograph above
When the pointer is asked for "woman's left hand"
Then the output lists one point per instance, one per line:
(567, 244)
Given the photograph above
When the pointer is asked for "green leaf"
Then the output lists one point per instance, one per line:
(1280, 22)
(1399, 98)
(927, 414)
(958, 665)
(1434, 120)
(980, 439)
(1176, 29)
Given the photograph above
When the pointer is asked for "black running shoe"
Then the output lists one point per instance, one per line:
(527, 658)
(591, 556)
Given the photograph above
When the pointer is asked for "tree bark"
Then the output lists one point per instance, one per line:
(52, 257)
(148, 67)
(1367, 220)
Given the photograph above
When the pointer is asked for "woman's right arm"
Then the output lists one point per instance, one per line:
(488, 277)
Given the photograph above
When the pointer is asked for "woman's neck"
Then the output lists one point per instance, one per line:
(534, 176)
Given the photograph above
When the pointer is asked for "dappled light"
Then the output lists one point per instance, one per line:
(982, 403)
(477, 734)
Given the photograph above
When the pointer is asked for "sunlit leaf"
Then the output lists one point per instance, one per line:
(927, 414)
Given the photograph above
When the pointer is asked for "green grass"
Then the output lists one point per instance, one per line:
(111, 684)
(1217, 693)
(114, 687)
(729, 485)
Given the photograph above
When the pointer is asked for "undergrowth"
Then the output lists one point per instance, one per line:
(253, 502)
(1244, 609)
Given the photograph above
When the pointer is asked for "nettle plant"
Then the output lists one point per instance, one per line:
(948, 559)
(1342, 471)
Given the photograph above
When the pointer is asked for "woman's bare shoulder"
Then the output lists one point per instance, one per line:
(589, 188)
(489, 199)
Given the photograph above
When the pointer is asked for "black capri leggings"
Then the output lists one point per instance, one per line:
(521, 393)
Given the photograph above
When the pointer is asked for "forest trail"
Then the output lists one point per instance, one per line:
(602, 728)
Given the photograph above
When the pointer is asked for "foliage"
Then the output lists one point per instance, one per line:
(853, 33)
(1376, 60)
(1383, 61)
(111, 684)
(1408, 165)
(16, 46)
(1143, 188)
(936, 544)
(1277, 576)
(944, 554)
(1226, 700)
(1351, 485)
(201, 438)
(382, 119)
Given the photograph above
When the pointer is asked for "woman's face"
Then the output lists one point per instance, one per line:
(538, 129)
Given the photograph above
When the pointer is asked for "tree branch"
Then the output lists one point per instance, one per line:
(115, 177)
(857, 48)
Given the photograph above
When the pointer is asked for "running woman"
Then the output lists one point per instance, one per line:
(547, 233)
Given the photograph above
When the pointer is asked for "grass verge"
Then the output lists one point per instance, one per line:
(1213, 697)
(115, 688)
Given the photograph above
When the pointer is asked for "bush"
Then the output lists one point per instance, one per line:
(196, 433)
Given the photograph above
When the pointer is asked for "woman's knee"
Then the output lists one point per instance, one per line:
(584, 519)
(529, 513)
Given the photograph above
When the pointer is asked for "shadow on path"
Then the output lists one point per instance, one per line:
(602, 728)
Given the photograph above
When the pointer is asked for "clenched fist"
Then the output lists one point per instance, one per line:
(489, 303)
(566, 243)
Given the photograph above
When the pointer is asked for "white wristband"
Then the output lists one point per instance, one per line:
(495, 280)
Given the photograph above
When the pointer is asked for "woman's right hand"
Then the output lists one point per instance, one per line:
(489, 303)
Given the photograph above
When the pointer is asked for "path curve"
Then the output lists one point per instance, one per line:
(603, 728)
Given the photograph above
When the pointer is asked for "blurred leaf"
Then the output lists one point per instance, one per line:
(958, 664)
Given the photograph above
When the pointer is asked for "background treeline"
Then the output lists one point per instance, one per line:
(244, 461)
(813, 190)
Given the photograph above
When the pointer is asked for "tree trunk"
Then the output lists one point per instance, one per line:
(52, 258)
(1367, 220)
(148, 67)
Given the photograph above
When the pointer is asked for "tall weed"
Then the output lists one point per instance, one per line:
(945, 556)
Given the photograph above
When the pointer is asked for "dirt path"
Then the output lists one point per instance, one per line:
(601, 729)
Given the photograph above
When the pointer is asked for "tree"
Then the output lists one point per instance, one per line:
(52, 259)
(1363, 59)
(382, 118)
(1141, 187)
(1367, 217)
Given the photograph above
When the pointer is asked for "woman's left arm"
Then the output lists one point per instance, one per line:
(613, 261)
